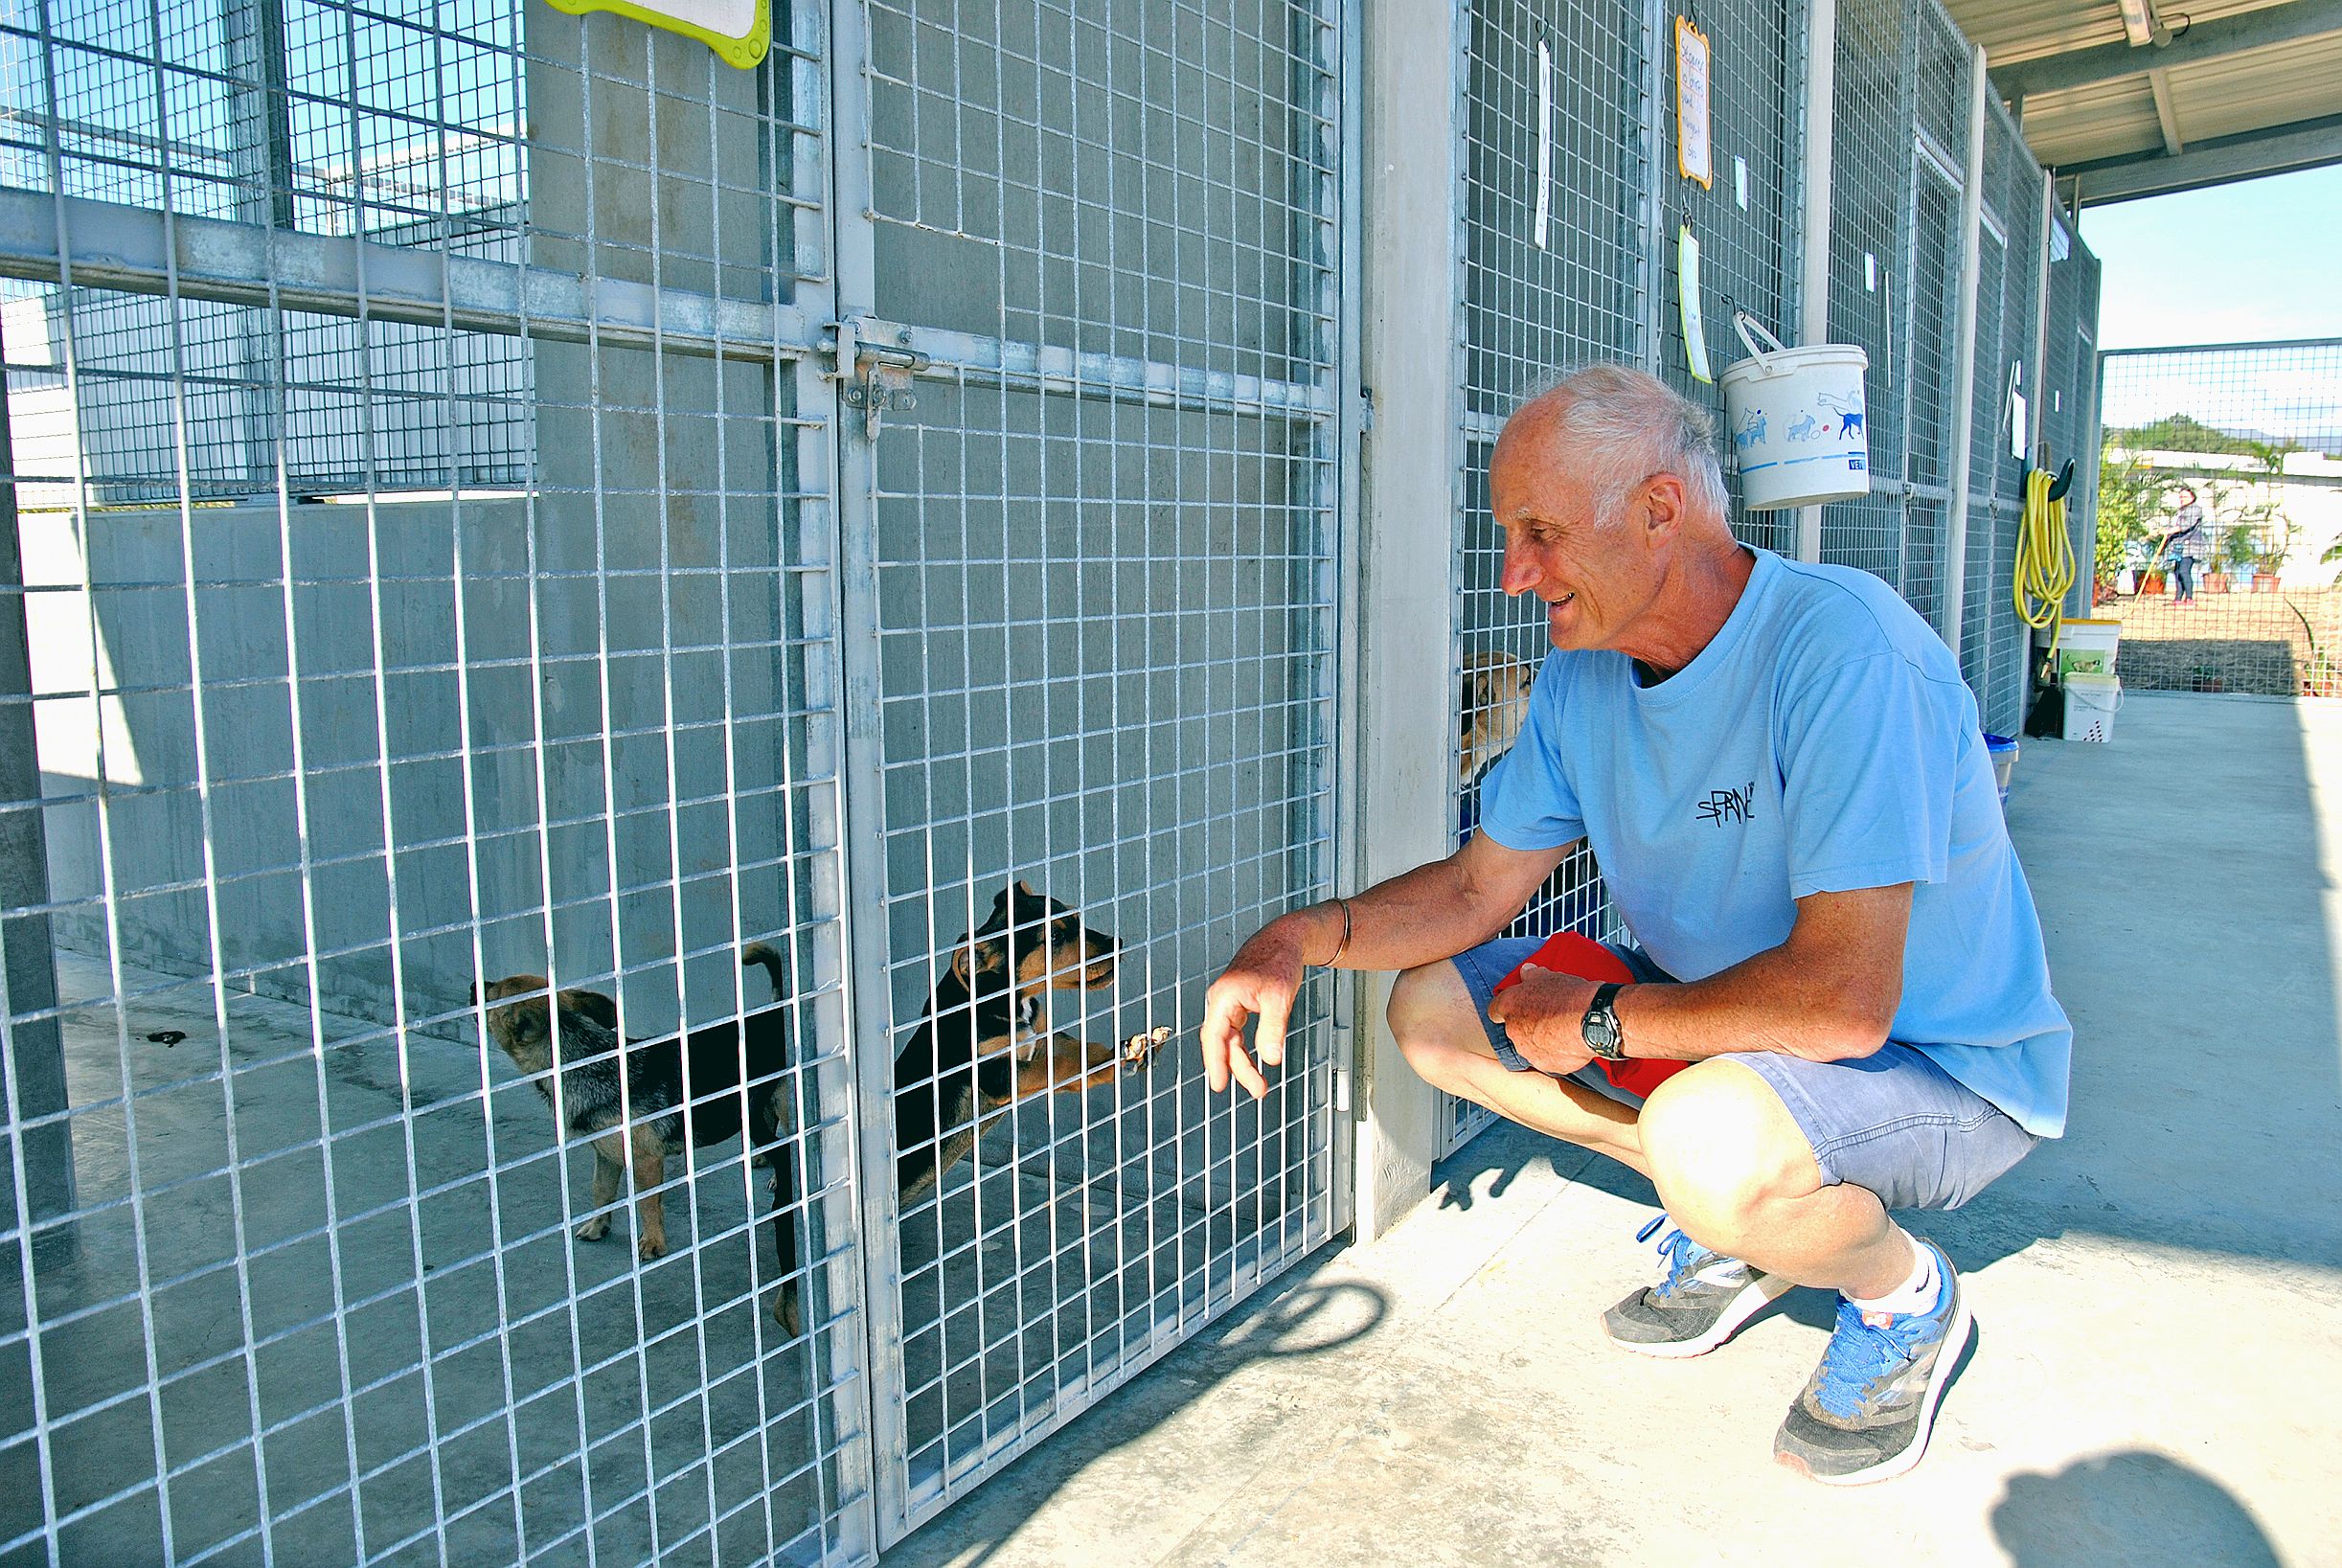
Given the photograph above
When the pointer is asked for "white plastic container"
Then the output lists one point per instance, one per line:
(2091, 702)
(1795, 419)
(2088, 647)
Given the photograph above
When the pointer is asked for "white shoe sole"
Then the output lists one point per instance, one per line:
(1955, 1343)
(1755, 1296)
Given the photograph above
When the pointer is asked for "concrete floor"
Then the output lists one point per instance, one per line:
(2159, 1294)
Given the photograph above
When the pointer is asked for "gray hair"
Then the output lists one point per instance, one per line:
(1631, 425)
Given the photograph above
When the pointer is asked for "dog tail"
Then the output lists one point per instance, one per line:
(775, 966)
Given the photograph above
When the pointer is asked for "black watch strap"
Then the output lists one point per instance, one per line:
(1598, 1027)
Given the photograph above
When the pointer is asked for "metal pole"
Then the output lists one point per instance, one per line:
(1412, 483)
(35, 1056)
(1963, 355)
(2037, 376)
(1821, 106)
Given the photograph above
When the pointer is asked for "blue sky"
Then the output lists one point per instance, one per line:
(2232, 264)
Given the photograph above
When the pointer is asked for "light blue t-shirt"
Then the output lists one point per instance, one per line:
(1823, 742)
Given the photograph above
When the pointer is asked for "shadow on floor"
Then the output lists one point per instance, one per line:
(2131, 1508)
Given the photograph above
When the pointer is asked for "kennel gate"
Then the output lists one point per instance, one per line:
(397, 610)
(1093, 554)
(401, 612)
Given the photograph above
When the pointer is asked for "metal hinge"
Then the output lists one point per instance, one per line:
(1341, 1091)
(875, 361)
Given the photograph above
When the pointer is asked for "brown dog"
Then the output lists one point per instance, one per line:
(982, 1045)
(641, 1130)
(1490, 707)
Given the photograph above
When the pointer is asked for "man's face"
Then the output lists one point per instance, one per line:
(1595, 574)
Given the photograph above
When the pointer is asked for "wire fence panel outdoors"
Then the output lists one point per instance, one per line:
(2015, 179)
(2251, 435)
(1870, 174)
(1538, 301)
(1104, 673)
(1932, 285)
(314, 797)
(1986, 437)
(321, 121)
(1747, 220)
(598, 963)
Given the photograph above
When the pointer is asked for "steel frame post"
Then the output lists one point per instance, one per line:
(1813, 291)
(1411, 486)
(1964, 357)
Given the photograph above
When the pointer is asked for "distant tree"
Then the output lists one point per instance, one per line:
(2182, 433)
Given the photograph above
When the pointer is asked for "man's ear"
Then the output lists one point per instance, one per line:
(1665, 504)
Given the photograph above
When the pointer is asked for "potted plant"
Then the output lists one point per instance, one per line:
(2237, 556)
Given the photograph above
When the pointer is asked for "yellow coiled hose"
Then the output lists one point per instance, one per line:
(2044, 560)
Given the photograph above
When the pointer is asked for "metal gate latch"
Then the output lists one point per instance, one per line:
(882, 373)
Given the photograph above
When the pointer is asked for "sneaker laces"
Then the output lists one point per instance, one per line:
(1684, 1260)
(1861, 1355)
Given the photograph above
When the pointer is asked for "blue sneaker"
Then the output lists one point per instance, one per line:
(1704, 1296)
(1866, 1413)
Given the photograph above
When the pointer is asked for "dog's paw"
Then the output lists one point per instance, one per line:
(595, 1229)
(649, 1247)
(786, 1311)
(1139, 1050)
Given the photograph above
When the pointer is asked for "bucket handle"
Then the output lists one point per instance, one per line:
(1742, 322)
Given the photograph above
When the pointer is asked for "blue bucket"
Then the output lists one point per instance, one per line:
(2002, 749)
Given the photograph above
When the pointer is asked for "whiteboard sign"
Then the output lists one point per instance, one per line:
(1694, 154)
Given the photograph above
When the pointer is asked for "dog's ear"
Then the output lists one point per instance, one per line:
(972, 958)
(593, 1004)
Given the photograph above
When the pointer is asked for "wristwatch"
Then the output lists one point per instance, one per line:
(1600, 1025)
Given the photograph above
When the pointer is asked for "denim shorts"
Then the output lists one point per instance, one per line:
(1892, 1121)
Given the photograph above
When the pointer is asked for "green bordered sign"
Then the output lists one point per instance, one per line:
(741, 32)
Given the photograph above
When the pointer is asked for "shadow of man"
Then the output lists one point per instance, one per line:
(2129, 1508)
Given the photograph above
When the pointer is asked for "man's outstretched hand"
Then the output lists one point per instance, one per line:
(1260, 983)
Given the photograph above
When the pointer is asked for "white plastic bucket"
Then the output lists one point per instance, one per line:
(1795, 418)
(2091, 702)
(2002, 750)
(2088, 647)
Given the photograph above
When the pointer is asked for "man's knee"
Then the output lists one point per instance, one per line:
(1433, 1020)
(1721, 1145)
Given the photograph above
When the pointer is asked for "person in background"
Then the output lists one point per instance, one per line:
(2183, 546)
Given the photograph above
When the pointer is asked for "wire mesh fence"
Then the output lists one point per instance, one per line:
(2220, 519)
(597, 953)
(444, 809)
(1556, 272)
(1105, 577)
(431, 810)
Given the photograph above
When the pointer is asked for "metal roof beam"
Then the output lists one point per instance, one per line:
(2203, 41)
(2305, 144)
(2166, 114)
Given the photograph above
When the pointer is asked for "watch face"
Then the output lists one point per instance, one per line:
(1599, 1025)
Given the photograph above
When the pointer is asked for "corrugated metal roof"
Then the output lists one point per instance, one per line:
(2293, 88)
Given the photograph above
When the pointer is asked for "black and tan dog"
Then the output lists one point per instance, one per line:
(985, 1043)
(651, 1123)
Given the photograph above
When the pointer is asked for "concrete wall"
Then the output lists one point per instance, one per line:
(319, 748)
